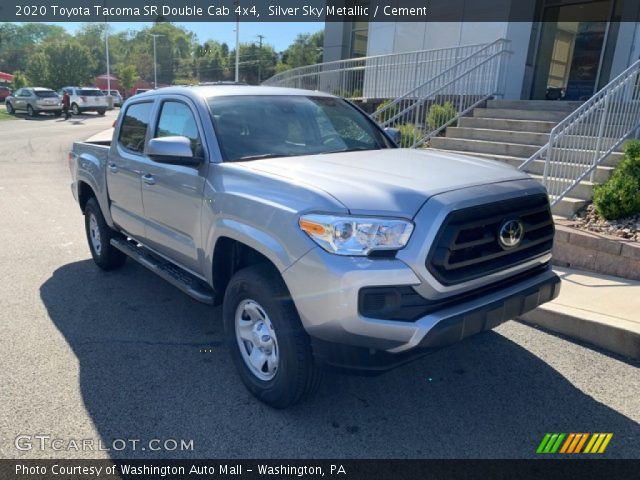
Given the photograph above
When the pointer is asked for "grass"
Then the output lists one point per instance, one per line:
(4, 115)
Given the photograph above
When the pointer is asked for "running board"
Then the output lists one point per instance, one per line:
(189, 284)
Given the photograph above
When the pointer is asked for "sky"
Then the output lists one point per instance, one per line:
(278, 34)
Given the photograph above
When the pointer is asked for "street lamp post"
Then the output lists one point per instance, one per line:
(106, 43)
(237, 3)
(155, 63)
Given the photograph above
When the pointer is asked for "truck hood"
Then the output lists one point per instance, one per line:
(390, 181)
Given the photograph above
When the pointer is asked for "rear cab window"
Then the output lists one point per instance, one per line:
(133, 130)
(46, 93)
(90, 92)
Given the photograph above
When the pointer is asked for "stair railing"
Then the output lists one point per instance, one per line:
(373, 77)
(439, 102)
(583, 140)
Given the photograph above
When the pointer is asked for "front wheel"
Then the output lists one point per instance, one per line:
(269, 347)
(99, 236)
(30, 111)
(101, 112)
(10, 109)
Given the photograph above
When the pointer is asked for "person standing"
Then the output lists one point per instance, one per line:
(66, 100)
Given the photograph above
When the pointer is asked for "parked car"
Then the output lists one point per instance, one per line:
(34, 100)
(141, 90)
(86, 99)
(117, 98)
(324, 242)
(4, 93)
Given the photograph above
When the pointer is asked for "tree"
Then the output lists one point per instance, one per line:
(19, 80)
(305, 50)
(128, 76)
(38, 69)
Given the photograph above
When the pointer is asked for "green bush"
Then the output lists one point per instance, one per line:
(619, 197)
(390, 113)
(439, 115)
(409, 134)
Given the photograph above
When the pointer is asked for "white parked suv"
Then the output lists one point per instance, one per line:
(86, 99)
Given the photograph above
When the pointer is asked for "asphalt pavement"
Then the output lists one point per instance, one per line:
(123, 356)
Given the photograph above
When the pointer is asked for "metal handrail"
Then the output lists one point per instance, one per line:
(429, 108)
(584, 139)
(378, 76)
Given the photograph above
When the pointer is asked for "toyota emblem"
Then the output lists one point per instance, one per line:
(510, 234)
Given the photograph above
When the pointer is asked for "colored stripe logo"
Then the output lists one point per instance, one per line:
(572, 443)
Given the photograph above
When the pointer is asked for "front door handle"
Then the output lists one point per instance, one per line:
(148, 179)
(113, 168)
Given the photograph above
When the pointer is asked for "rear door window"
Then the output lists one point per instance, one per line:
(176, 119)
(135, 123)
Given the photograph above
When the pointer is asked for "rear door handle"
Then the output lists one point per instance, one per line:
(113, 168)
(148, 179)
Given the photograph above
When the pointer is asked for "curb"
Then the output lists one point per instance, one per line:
(617, 336)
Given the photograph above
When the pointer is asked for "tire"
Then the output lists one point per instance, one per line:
(75, 109)
(10, 109)
(30, 111)
(260, 290)
(99, 236)
(101, 112)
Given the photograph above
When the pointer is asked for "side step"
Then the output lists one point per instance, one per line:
(189, 284)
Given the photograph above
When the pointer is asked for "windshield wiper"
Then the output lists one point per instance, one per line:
(263, 155)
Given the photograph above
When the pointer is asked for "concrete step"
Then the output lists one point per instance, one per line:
(582, 191)
(524, 138)
(502, 136)
(482, 146)
(536, 167)
(611, 161)
(515, 114)
(568, 206)
(548, 105)
(534, 126)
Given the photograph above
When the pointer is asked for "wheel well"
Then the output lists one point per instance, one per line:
(85, 192)
(229, 256)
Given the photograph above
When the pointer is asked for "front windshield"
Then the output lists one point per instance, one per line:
(261, 126)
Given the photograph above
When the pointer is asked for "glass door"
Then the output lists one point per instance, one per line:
(570, 53)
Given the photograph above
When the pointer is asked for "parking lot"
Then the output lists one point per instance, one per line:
(123, 355)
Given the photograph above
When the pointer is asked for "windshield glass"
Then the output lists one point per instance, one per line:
(45, 93)
(90, 92)
(261, 126)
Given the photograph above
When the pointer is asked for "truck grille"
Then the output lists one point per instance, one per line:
(467, 245)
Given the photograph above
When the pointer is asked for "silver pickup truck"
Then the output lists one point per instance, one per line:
(325, 243)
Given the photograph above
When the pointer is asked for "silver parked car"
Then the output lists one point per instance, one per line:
(34, 100)
(117, 98)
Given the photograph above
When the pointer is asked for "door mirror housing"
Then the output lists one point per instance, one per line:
(393, 134)
(175, 150)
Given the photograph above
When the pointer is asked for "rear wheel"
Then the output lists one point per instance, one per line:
(99, 236)
(101, 112)
(270, 349)
(10, 109)
(75, 109)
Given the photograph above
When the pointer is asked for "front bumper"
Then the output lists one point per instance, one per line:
(326, 297)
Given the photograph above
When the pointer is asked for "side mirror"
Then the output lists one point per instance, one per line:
(393, 134)
(175, 150)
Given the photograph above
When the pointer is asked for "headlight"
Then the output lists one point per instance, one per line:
(356, 235)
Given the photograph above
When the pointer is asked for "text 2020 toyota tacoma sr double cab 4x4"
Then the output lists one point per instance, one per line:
(325, 242)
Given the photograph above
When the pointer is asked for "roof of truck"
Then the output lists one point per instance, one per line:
(224, 90)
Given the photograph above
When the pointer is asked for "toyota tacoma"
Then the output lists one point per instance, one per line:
(325, 243)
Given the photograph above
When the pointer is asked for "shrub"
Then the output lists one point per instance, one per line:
(409, 134)
(619, 197)
(390, 113)
(439, 115)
